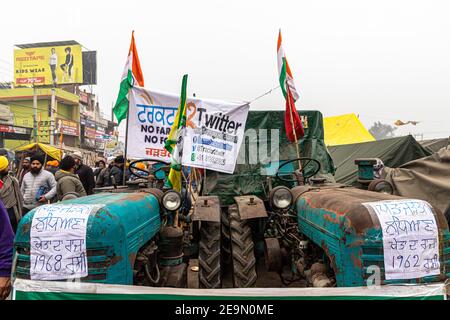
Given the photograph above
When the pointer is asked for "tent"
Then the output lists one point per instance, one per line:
(252, 169)
(427, 179)
(435, 144)
(345, 129)
(394, 152)
(52, 152)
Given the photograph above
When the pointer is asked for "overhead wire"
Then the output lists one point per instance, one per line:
(43, 110)
(263, 95)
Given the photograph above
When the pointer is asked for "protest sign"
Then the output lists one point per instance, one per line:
(58, 242)
(214, 133)
(151, 117)
(211, 140)
(410, 238)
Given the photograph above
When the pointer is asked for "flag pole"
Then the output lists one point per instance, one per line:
(126, 142)
(297, 147)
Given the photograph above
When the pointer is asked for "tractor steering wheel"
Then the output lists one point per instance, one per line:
(304, 165)
(142, 170)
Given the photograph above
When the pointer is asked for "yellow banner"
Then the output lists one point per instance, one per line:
(48, 65)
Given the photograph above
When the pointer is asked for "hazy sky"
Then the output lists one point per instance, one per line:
(383, 60)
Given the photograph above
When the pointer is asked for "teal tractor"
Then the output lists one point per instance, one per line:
(299, 223)
(342, 238)
(115, 239)
(132, 237)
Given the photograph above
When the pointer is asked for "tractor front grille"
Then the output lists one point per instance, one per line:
(373, 255)
(99, 261)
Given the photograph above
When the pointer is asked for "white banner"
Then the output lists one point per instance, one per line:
(33, 290)
(151, 117)
(213, 135)
(58, 242)
(410, 238)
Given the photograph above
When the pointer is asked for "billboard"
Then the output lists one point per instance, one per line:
(67, 127)
(90, 67)
(6, 116)
(48, 65)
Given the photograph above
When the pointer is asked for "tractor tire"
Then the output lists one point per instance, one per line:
(226, 238)
(242, 250)
(209, 274)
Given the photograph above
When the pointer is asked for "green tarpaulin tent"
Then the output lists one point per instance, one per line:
(265, 129)
(435, 144)
(394, 152)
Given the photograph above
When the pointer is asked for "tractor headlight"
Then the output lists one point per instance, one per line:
(281, 197)
(171, 200)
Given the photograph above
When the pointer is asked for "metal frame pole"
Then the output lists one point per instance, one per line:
(292, 124)
(35, 130)
(126, 143)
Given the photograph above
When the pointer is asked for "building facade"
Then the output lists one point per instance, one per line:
(60, 123)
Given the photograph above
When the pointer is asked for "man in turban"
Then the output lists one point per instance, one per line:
(38, 185)
(52, 166)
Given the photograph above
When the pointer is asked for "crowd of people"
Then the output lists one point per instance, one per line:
(37, 183)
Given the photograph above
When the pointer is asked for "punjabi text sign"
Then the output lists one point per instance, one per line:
(212, 137)
(410, 238)
(58, 242)
(151, 116)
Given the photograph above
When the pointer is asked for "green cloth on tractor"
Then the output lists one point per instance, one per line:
(250, 178)
(394, 152)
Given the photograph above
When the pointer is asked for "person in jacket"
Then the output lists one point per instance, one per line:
(67, 182)
(10, 193)
(103, 178)
(85, 173)
(38, 185)
(99, 165)
(6, 252)
(25, 169)
(116, 171)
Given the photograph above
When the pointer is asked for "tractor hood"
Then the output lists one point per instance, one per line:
(343, 205)
(118, 226)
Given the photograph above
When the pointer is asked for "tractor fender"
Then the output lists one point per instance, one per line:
(250, 207)
(207, 208)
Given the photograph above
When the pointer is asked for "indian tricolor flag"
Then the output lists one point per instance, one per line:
(291, 117)
(132, 75)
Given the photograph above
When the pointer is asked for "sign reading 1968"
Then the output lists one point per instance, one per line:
(58, 242)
